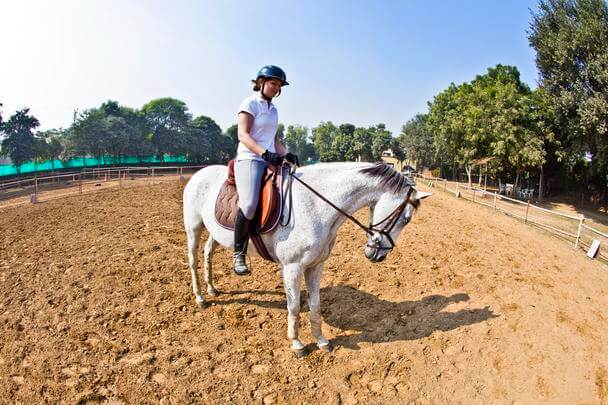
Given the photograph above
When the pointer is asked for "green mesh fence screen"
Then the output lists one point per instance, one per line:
(78, 163)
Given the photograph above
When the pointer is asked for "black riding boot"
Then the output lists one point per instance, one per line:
(241, 237)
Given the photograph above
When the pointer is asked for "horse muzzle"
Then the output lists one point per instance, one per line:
(375, 255)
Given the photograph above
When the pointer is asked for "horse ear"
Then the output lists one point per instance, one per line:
(421, 194)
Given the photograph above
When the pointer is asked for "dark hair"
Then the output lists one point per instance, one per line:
(257, 84)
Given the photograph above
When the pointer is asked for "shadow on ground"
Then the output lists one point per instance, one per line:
(376, 320)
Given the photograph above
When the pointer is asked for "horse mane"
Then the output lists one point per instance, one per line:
(395, 181)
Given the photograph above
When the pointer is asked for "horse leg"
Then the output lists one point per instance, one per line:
(209, 248)
(313, 283)
(292, 275)
(194, 234)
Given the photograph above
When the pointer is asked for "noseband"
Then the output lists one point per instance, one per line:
(372, 230)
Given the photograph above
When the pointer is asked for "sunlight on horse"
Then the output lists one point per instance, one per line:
(302, 246)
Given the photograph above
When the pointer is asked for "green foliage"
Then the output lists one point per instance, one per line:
(205, 142)
(381, 140)
(495, 115)
(349, 143)
(48, 145)
(571, 42)
(417, 141)
(322, 138)
(233, 133)
(168, 120)
(19, 143)
(296, 141)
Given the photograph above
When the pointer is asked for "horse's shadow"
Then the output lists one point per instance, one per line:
(377, 320)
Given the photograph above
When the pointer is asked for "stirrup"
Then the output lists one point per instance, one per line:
(239, 264)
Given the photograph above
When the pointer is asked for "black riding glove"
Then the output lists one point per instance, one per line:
(273, 158)
(292, 158)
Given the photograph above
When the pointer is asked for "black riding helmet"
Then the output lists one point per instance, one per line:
(273, 72)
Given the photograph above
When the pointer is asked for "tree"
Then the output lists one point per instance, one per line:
(322, 138)
(168, 121)
(206, 143)
(382, 140)
(48, 145)
(342, 143)
(296, 141)
(18, 142)
(494, 115)
(570, 38)
(91, 133)
(417, 141)
(233, 133)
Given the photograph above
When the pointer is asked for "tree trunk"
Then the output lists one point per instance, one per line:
(454, 175)
(516, 185)
(469, 169)
(541, 186)
(480, 177)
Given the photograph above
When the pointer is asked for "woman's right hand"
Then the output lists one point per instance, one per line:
(273, 158)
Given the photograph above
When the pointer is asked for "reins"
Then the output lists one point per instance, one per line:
(371, 230)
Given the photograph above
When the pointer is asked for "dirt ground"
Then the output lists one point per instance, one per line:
(471, 307)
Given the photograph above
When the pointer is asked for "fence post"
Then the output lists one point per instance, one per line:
(473, 195)
(445, 185)
(119, 179)
(494, 204)
(580, 228)
(527, 208)
(36, 186)
(80, 183)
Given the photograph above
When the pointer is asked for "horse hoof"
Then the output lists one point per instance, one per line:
(213, 292)
(202, 304)
(300, 353)
(328, 348)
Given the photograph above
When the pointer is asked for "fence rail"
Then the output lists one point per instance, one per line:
(571, 228)
(33, 189)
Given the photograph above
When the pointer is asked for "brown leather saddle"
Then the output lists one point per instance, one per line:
(269, 210)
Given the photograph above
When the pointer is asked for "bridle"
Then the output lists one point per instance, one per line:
(372, 229)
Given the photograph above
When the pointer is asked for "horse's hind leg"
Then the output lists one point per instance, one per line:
(209, 248)
(194, 233)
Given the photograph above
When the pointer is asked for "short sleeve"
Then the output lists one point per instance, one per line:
(248, 106)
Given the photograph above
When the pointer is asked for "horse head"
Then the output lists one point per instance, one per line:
(391, 212)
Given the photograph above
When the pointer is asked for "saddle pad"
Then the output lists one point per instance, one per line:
(269, 210)
(227, 205)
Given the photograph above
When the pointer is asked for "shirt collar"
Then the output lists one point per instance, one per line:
(263, 99)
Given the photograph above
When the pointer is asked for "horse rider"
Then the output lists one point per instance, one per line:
(259, 145)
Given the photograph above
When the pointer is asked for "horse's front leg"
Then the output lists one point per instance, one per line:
(313, 284)
(292, 276)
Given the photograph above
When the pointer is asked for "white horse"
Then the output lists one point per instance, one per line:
(304, 244)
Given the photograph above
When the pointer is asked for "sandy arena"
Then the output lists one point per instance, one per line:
(471, 307)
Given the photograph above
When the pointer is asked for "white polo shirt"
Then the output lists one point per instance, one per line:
(264, 128)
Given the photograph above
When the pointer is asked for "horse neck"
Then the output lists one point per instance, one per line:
(348, 189)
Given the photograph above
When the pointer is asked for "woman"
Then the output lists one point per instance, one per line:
(258, 146)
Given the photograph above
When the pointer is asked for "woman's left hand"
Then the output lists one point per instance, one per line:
(292, 158)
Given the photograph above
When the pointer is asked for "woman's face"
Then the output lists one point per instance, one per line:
(272, 87)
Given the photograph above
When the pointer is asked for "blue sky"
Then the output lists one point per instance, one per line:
(362, 62)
